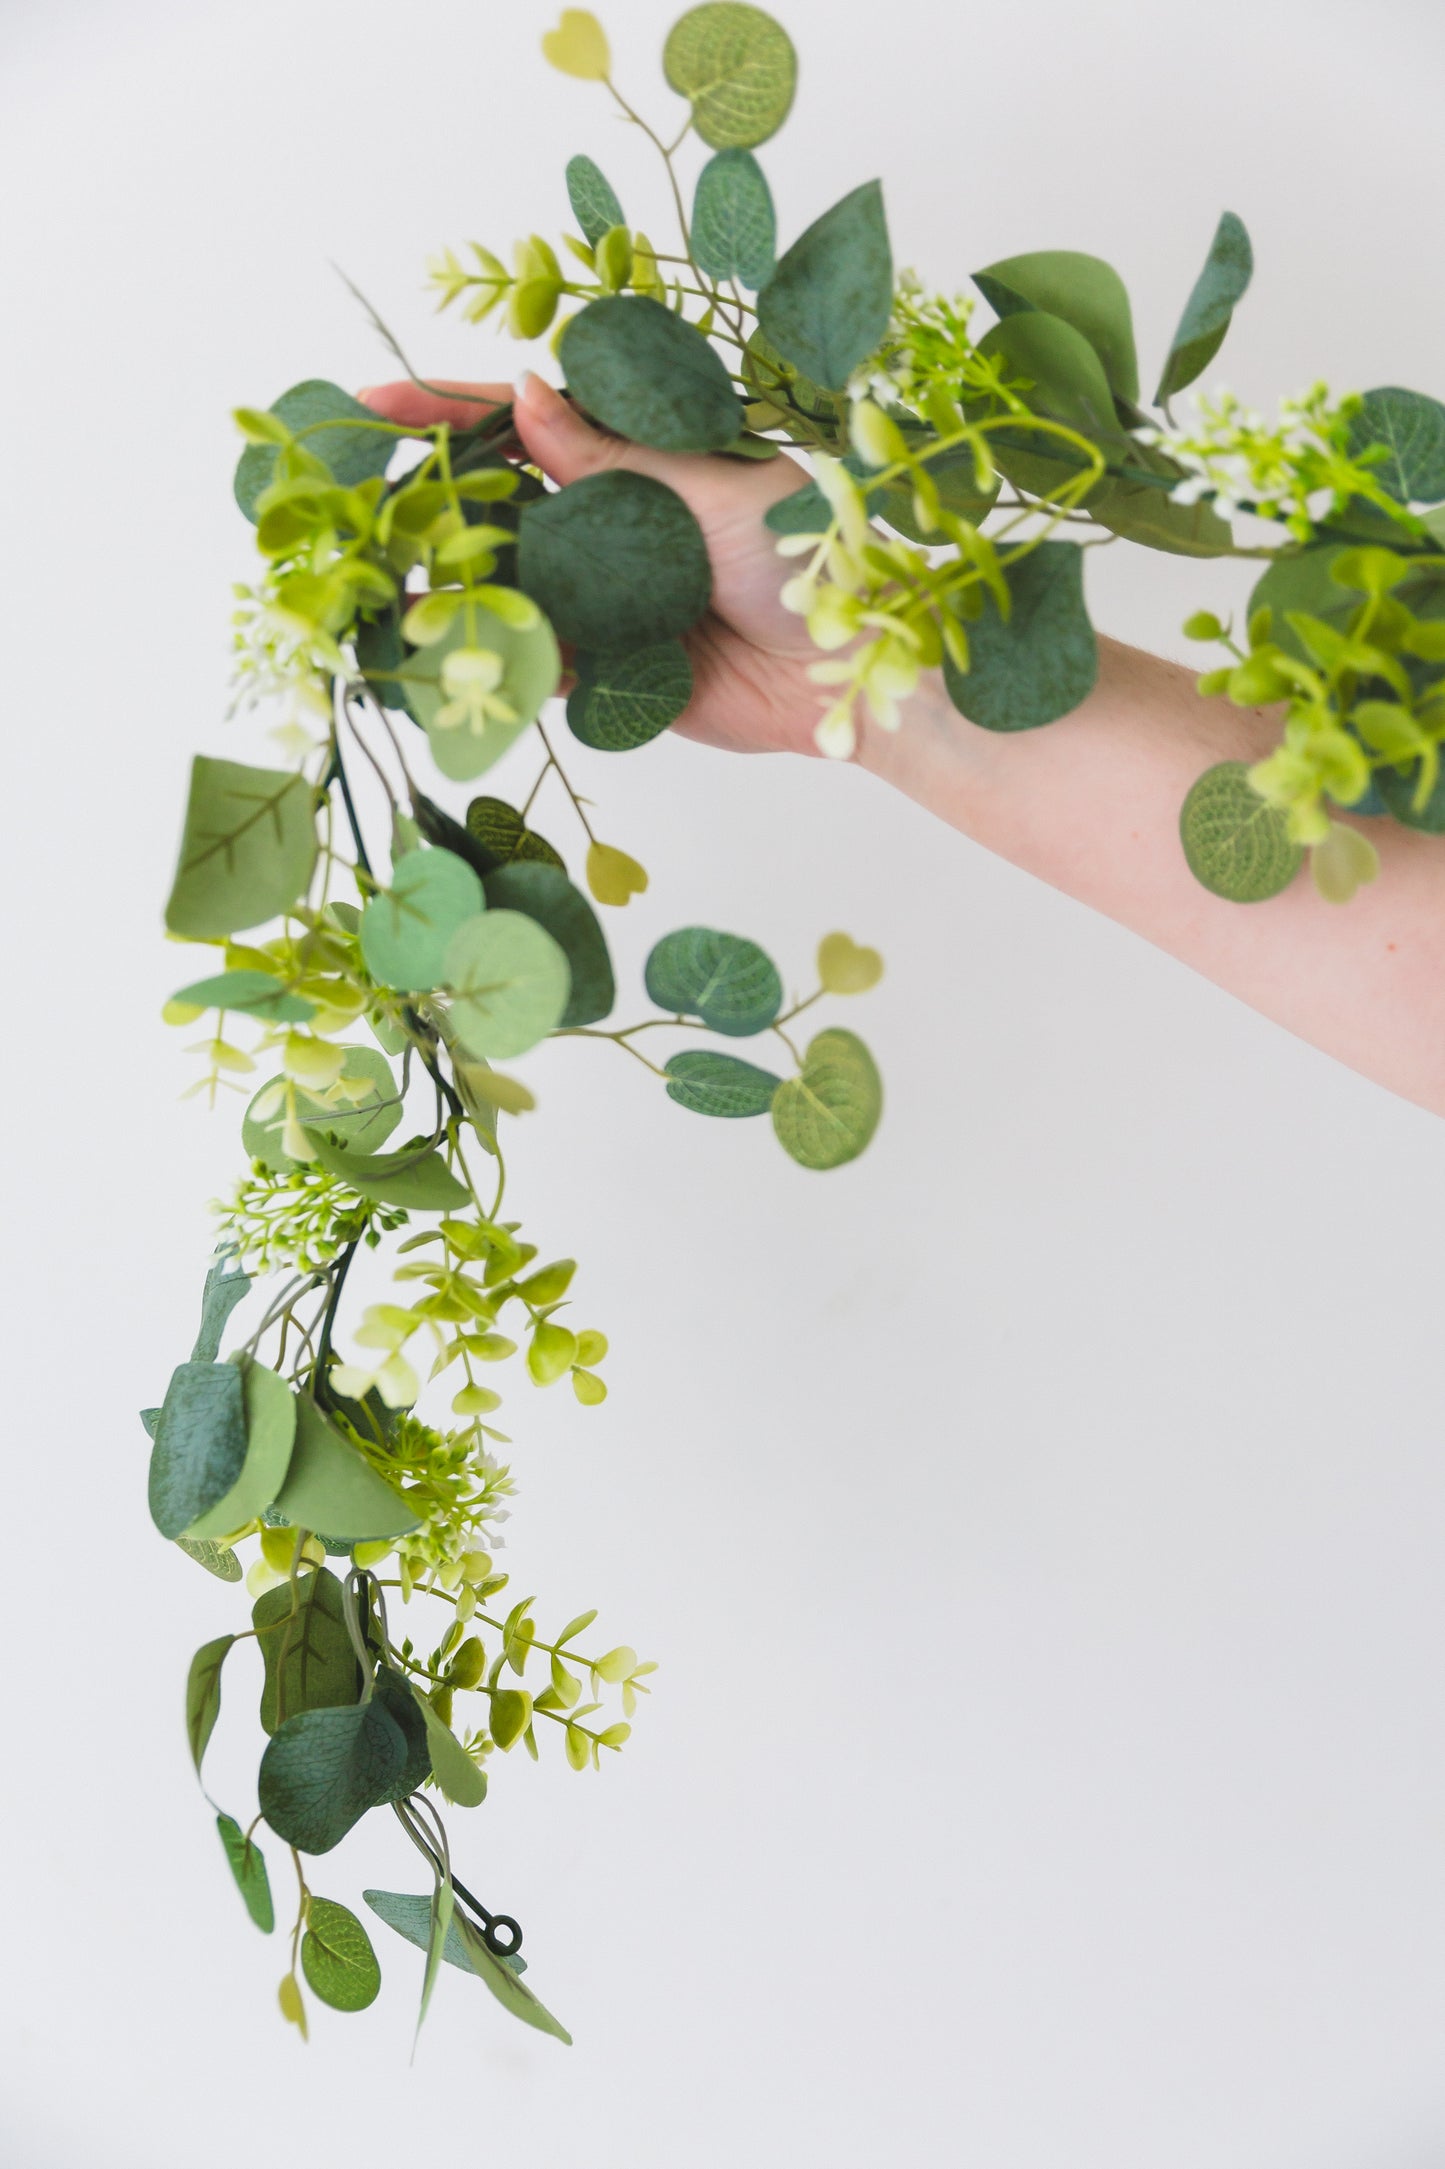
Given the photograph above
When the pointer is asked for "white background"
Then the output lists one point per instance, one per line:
(1039, 1523)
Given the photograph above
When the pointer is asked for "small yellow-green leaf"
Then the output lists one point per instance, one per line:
(612, 876)
(337, 1958)
(578, 46)
(845, 967)
(511, 1715)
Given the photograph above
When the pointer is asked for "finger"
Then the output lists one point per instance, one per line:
(416, 408)
(566, 447)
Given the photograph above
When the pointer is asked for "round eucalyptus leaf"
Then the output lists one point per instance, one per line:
(616, 560)
(405, 929)
(531, 667)
(509, 981)
(650, 375)
(1237, 845)
(729, 982)
(350, 438)
(827, 1113)
(323, 1769)
(1038, 663)
(359, 1126)
(337, 1958)
(200, 1444)
(738, 68)
(249, 1869)
(270, 1407)
(734, 229)
(719, 1084)
(623, 700)
(592, 197)
(544, 894)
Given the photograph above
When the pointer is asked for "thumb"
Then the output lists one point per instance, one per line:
(565, 447)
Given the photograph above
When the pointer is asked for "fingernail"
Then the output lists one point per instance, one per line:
(536, 396)
(367, 392)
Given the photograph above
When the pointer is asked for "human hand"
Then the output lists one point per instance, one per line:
(749, 655)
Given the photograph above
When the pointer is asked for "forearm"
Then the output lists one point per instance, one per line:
(1091, 804)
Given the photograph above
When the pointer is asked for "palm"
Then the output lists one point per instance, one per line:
(749, 655)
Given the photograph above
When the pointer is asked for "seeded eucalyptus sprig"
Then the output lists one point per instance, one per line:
(382, 953)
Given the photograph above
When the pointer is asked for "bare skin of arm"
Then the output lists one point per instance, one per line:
(1090, 804)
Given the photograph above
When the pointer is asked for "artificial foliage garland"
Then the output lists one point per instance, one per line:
(420, 584)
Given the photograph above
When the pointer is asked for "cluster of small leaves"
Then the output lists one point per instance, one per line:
(301, 1216)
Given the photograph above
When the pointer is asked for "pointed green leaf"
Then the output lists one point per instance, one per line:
(247, 851)
(623, 700)
(1084, 290)
(719, 1084)
(452, 1767)
(323, 1769)
(1040, 661)
(247, 994)
(203, 1694)
(1145, 512)
(270, 1408)
(305, 1648)
(734, 230)
(416, 1176)
(337, 1958)
(443, 1903)
(225, 1286)
(827, 305)
(513, 1994)
(1236, 844)
(200, 1444)
(393, 1691)
(411, 1917)
(1217, 291)
(331, 1486)
(594, 204)
(739, 69)
(650, 375)
(249, 1870)
(827, 1114)
(1063, 381)
(727, 981)
(217, 1559)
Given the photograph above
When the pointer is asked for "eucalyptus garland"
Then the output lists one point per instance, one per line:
(383, 952)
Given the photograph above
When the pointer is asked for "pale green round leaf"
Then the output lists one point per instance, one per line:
(827, 1114)
(510, 984)
(545, 894)
(734, 230)
(405, 929)
(1236, 844)
(729, 982)
(358, 1126)
(650, 375)
(247, 851)
(739, 69)
(624, 700)
(719, 1084)
(337, 1958)
(531, 668)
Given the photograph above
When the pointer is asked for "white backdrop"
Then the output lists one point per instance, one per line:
(1038, 1523)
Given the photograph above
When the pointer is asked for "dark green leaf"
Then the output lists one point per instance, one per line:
(1145, 513)
(719, 1084)
(305, 1648)
(727, 981)
(405, 929)
(504, 836)
(615, 560)
(734, 231)
(203, 1694)
(247, 851)
(225, 1286)
(1397, 788)
(270, 1435)
(739, 69)
(357, 1126)
(249, 1869)
(323, 412)
(801, 402)
(393, 1691)
(1218, 289)
(543, 894)
(1413, 427)
(380, 650)
(650, 375)
(330, 1484)
(247, 994)
(323, 1769)
(1039, 662)
(594, 205)
(1063, 381)
(217, 1559)
(200, 1444)
(1083, 290)
(1237, 846)
(622, 700)
(337, 1958)
(827, 305)
(827, 1113)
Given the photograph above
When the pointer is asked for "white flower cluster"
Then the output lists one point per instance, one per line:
(1296, 470)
